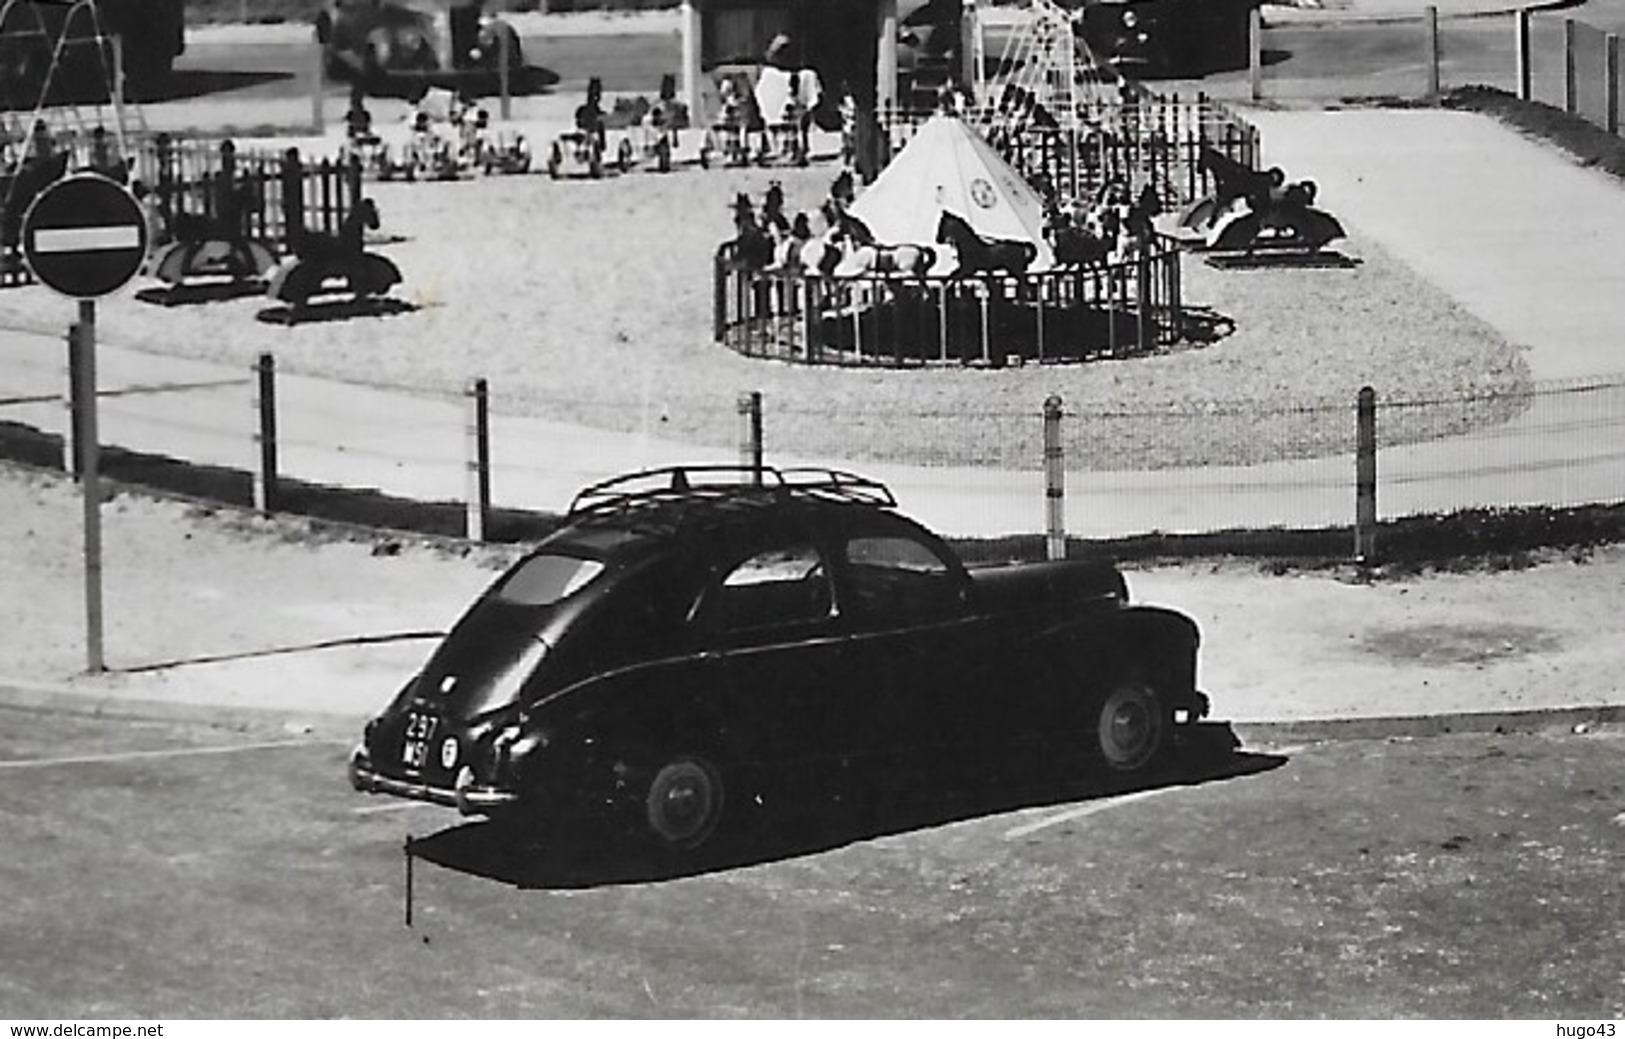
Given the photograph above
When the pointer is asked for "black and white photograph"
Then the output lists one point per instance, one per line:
(632, 511)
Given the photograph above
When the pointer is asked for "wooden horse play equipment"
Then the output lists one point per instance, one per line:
(334, 267)
(1250, 211)
(217, 246)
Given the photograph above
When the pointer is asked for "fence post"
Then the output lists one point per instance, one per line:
(71, 432)
(318, 87)
(118, 92)
(479, 460)
(226, 184)
(1054, 482)
(1255, 54)
(1430, 20)
(163, 155)
(265, 475)
(1520, 31)
(719, 297)
(1142, 298)
(504, 71)
(1570, 87)
(1611, 78)
(1365, 477)
(750, 434)
(293, 196)
(351, 199)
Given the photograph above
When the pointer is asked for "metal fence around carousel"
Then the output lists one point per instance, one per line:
(1148, 139)
(1073, 313)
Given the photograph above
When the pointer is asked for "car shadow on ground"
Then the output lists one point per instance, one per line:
(789, 823)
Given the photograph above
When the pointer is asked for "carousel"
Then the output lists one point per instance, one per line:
(949, 257)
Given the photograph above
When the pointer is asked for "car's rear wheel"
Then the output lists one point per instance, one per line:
(1130, 724)
(684, 803)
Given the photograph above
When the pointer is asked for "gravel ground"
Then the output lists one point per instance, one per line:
(591, 302)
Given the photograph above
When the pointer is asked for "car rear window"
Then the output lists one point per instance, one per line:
(546, 579)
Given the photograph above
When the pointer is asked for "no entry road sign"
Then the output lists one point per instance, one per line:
(85, 236)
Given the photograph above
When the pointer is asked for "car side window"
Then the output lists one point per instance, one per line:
(899, 577)
(778, 587)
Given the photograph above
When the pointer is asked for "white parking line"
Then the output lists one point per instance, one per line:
(1083, 810)
(178, 752)
(394, 806)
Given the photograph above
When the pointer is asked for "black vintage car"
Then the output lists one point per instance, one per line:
(690, 629)
(1163, 38)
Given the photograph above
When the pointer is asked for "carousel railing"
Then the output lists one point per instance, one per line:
(1107, 310)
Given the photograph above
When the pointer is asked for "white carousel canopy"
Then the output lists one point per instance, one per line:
(947, 165)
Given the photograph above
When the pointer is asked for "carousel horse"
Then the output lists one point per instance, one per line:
(334, 264)
(913, 261)
(976, 253)
(1074, 244)
(752, 246)
(837, 216)
(1138, 221)
(773, 219)
(788, 250)
(823, 254)
(843, 189)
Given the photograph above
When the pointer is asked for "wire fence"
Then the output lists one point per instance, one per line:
(1573, 66)
(1407, 58)
(1125, 473)
(1545, 56)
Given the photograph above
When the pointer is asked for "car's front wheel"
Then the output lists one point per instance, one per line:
(1129, 725)
(684, 803)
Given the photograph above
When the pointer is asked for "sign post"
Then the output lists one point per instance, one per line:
(86, 237)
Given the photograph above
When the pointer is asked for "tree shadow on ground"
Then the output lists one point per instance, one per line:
(187, 84)
(381, 518)
(783, 817)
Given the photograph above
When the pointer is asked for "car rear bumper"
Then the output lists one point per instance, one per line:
(466, 795)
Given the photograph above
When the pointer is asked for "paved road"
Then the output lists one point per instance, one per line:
(1358, 48)
(1468, 876)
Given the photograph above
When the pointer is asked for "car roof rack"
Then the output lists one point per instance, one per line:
(724, 486)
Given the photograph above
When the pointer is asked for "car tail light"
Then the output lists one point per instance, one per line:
(1130, 19)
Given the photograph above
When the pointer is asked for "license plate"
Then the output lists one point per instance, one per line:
(415, 740)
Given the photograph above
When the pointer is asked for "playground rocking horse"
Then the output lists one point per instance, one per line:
(18, 187)
(1250, 209)
(216, 247)
(334, 265)
(977, 254)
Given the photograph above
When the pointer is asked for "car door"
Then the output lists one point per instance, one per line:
(773, 650)
(925, 658)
